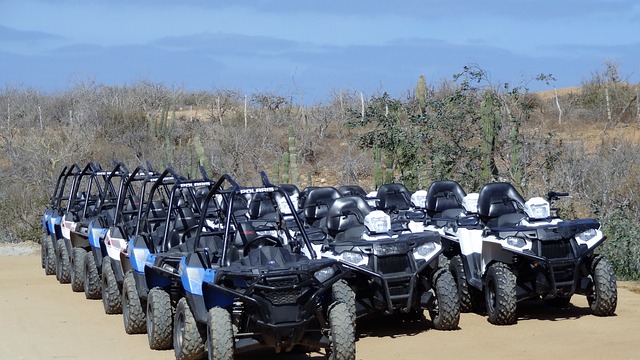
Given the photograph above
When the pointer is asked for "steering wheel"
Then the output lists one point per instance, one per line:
(264, 240)
(192, 228)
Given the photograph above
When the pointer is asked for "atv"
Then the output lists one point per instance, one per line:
(249, 285)
(394, 269)
(514, 250)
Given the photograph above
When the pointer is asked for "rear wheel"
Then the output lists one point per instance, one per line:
(135, 320)
(62, 262)
(445, 313)
(111, 299)
(500, 294)
(220, 335)
(49, 256)
(159, 319)
(188, 340)
(343, 341)
(92, 288)
(457, 270)
(604, 298)
(43, 251)
(77, 269)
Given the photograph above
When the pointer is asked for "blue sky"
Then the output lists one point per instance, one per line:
(313, 48)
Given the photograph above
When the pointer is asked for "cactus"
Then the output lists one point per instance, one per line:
(421, 92)
(276, 171)
(309, 178)
(388, 167)
(293, 157)
(490, 121)
(377, 166)
(284, 167)
(202, 157)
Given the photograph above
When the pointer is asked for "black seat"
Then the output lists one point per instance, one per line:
(317, 202)
(183, 221)
(444, 199)
(394, 197)
(352, 190)
(262, 207)
(346, 213)
(499, 199)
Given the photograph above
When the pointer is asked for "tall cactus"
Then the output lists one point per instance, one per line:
(490, 121)
(421, 92)
(293, 157)
(377, 166)
(284, 167)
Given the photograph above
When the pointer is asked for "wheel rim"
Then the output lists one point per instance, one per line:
(491, 296)
(180, 320)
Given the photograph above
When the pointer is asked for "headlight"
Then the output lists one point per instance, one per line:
(537, 208)
(425, 249)
(587, 235)
(378, 222)
(352, 257)
(516, 241)
(324, 274)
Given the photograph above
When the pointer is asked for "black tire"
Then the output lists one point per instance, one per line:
(111, 298)
(457, 270)
(133, 315)
(188, 337)
(342, 292)
(77, 269)
(220, 344)
(62, 262)
(500, 294)
(604, 299)
(159, 320)
(50, 256)
(445, 314)
(342, 339)
(92, 286)
(43, 251)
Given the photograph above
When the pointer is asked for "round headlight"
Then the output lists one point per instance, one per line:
(426, 249)
(587, 235)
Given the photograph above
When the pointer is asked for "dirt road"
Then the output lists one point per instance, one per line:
(41, 319)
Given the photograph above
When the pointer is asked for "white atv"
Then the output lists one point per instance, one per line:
(514, 250)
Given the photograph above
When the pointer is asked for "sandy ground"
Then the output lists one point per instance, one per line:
(42, 319)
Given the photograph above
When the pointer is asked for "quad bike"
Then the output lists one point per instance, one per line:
(249, 285)
(393, 269)
(512, 250)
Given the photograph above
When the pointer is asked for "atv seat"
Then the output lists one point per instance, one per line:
(352, 190)
(394, 197)
(498, 199)
(211, 242)
(184, 220)
(262, 207)
(346, 213)
(444, 200)
(317, 203)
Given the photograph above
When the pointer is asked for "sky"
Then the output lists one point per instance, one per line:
(312, 49)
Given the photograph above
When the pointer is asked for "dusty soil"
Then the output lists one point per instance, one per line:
(42, 319)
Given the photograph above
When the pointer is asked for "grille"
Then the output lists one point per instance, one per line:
(280, 297)
(556, 249)
(393, 264)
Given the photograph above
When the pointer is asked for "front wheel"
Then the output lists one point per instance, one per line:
(500, 294)
(159, 319)
(49, 256)
(445, 313)
(220, 344)
(343, 339)
(604, 298)
(92, 286)
(188, 341)
(62, 262)
(77, 269)
(111, 299)
(133, 315)
(342, 292)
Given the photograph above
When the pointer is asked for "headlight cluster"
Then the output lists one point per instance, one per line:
(516, 241)
(425, 251)
(354, 258)
(325, 274)
(586, 235)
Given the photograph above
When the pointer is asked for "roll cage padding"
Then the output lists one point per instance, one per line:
(444, 195)
(497, 199)
(395, 196)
